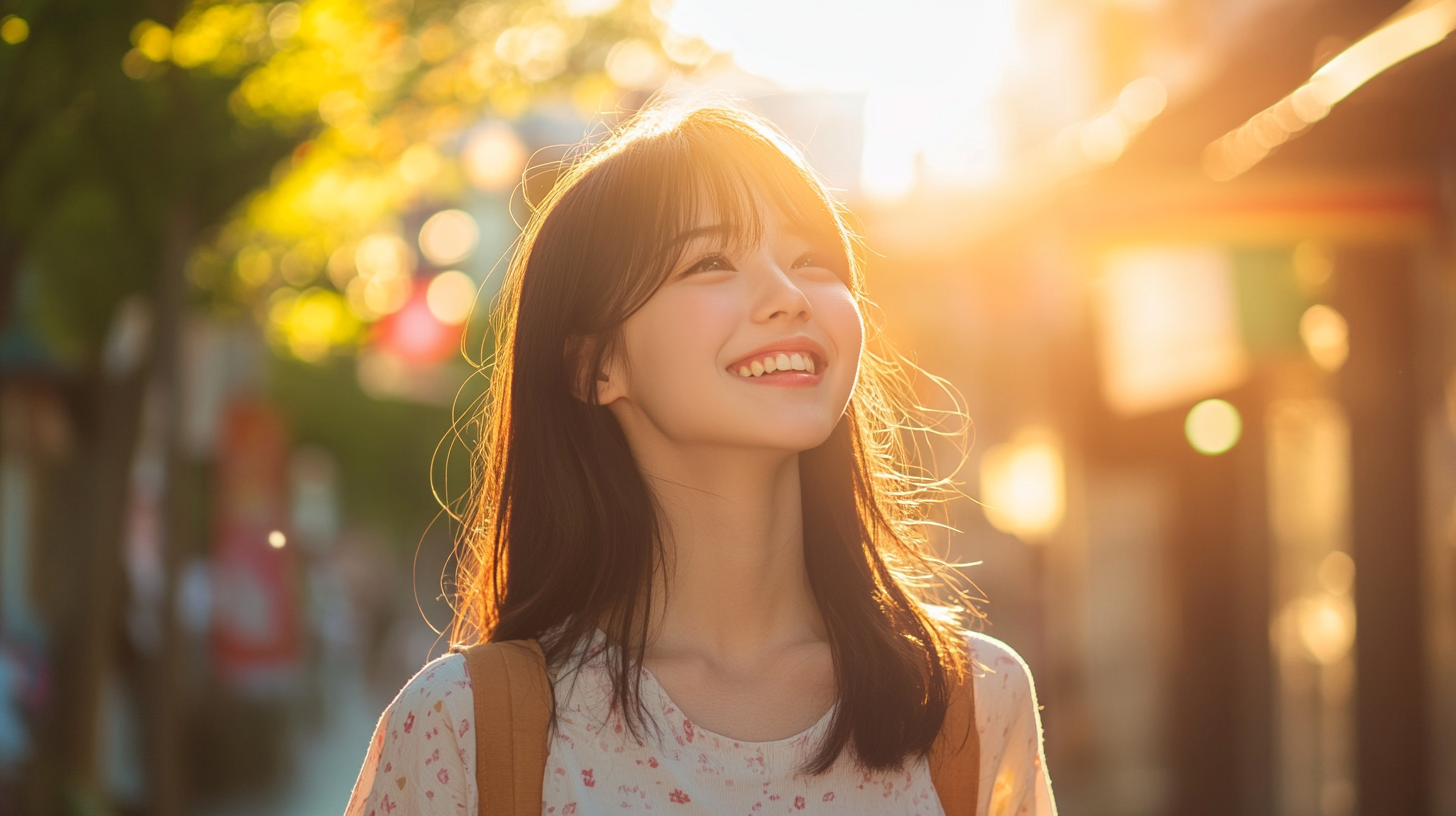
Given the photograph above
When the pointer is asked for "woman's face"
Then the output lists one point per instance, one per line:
(755, 348)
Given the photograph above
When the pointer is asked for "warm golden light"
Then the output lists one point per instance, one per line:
(1313, 265)
(1168, 327)
(635, 64)
(448, 237)
(420, 164)
(1337, 573)
(1416, 27)
(450, 297)
(930, 72)
(586, 8)
(494, 157)
(1326, 625)
(1213, 427)
(538, 50)
(384, 266)
(153, 40)
(1023, 485)
(14, 30)
(1326, 336)
(277, 539)
(311, 323)
(382, 256)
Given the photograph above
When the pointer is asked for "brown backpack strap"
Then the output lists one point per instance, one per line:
(955, 761)
(513, 708)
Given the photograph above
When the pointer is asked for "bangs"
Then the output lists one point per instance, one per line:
(704, 175)
(733, 185)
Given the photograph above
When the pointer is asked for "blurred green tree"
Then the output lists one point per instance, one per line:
(159, 156)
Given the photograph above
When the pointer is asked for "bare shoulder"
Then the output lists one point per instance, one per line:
(1002, 679)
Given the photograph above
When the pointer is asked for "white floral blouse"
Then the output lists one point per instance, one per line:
(421, 761)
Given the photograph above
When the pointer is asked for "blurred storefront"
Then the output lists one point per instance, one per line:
(1211, 372)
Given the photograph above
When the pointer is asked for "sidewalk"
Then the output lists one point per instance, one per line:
(327, 759)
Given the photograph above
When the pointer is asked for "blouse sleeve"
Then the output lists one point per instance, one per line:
(1014, 779)
(421, 761)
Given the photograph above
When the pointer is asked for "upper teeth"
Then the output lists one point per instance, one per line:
(780, 361)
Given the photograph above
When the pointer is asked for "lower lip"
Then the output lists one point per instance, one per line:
(786, 379)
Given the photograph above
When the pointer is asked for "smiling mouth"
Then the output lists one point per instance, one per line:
(787, 362)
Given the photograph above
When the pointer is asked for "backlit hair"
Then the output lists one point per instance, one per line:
(562, 536)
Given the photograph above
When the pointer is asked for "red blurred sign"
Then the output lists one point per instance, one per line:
(414, 334)
(255, 622)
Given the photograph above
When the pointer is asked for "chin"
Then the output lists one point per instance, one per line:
(790, 439)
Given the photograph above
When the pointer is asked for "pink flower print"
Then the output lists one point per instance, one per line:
(430, 795)
(409, 722)
(435, 757)
(388, 805)
(568, 809)
(677, 797)
(388, 766)
(652, 762)
(798, 803)
(443, 776)
(586, 778)
(828, 797)
(688, 729)
(464, 727)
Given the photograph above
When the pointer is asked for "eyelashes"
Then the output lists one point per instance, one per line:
(711, 263)
(717, 262)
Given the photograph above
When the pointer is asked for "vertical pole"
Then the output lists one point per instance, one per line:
(1222, 682)
(1376, 293)
(168, 693)
(1206, 688)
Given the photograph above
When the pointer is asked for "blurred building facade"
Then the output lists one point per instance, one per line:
(1210, 364)
(1206, 351)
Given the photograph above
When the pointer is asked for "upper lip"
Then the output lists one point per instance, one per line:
(788, 345)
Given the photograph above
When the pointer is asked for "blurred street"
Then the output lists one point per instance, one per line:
(1186, 267)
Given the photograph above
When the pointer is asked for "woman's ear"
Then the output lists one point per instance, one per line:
(579, 356)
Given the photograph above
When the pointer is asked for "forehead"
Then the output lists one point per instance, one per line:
(744, 209)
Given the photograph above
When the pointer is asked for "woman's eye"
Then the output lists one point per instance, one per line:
(817, 260)
(712, 263)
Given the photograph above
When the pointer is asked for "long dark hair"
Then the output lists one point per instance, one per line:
(561, 537)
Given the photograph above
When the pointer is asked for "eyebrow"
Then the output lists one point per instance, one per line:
(695, 233)
(808, 235)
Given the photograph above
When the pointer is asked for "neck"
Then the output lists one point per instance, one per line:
(734, 582)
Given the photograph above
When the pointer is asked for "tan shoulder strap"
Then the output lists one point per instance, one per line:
(512, 723)
(512, 693)
(955, 761)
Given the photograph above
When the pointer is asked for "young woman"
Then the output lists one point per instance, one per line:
(692, 496)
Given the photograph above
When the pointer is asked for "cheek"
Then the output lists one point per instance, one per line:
(838, 314)
(677, 330)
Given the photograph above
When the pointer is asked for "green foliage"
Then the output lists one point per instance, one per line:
(386, 451)
(99, 171)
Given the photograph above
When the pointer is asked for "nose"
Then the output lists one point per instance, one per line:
(776, 296)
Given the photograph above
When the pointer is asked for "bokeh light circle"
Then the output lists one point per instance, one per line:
(1326, 335)
(494, 157)
(450, 296)
(1213, 427)
(449, 237)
